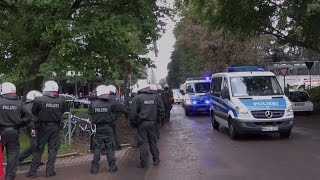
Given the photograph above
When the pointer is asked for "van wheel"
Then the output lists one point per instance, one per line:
(285, 134)
(232, 130)
(215, 124)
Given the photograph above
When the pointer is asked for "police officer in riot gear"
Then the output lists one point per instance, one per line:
(154, 89)
(135, 132)
(144, 113)
(168, 96)
(49, 109)
(113, 95)
(13, 115)
(161, 120)
(102, 113)
(33, 141)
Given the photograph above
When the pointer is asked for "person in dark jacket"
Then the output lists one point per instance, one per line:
(135, 131)
(102, 113)
(13, 115)
(33, 141)
(49, 109)
(144, 112)
(154, 89)
(113, 95)
(162, 97)
(168, 100)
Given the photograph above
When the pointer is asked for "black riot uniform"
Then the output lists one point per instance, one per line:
(144, 113)
(159, 119)
(135, 131)
(102, 115)
(116, 141)
(33, 141)
(13, 115)
(167, 96)
(49, 109)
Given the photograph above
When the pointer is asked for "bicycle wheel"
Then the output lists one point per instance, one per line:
(82, 132)
(64, 132)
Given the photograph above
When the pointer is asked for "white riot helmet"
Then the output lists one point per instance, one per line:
(103, 92)
(33, 94)
(166, 86)
(153, 87)
(8, 88)
(50, 86)
(134, 91)
(112, 89)
(144, 87)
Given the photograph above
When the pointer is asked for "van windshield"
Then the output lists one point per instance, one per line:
(201, 87)
(255, 86)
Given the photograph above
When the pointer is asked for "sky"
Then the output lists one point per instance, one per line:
(165, 46)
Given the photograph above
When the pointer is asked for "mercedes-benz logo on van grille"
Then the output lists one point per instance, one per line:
(268, 114)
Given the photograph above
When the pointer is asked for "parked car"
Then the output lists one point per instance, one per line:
(177, 96)
(300, 101)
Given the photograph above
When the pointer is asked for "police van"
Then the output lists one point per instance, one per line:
(196, 93)
(249, 100)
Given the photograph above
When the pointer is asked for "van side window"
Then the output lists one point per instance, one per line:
(216, 86)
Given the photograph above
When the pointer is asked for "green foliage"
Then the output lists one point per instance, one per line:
(292, 22)
(163, 82)
(45, 38)
(315, 97)
(199, 51)
(82, 112)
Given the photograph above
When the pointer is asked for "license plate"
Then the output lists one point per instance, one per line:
(299, 104)
(269, 128)
(202, 109)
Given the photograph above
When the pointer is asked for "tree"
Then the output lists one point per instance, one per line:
(42, 39)
(200, 51)
(163, 82)
(292, 22)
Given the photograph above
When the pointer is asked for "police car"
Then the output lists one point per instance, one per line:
(249, 100)
(196, 95)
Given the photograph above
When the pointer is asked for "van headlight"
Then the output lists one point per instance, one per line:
(289, 111)
(243, 113)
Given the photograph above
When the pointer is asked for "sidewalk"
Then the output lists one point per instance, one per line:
(83, 161)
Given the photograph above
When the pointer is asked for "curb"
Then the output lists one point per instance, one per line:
(59, 156)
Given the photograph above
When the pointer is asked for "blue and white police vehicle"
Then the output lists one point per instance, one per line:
(248, 99)
(196, 95)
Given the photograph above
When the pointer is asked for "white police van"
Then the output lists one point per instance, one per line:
(196, 93)
(249, 100)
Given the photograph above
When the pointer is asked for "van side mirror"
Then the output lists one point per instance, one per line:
(225, 94)
(182, 92)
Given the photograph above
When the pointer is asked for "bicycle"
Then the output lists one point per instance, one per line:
(81, 129)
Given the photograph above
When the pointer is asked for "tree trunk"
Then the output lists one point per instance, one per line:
(35, 84)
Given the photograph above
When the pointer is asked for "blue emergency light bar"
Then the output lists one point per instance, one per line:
(199, 78)
(245, 69)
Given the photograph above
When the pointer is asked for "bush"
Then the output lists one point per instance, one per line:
(83, 112)
(315, 97)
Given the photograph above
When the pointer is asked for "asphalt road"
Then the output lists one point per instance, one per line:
(190, 149)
